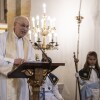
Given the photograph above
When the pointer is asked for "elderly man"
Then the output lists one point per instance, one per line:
(15, 49)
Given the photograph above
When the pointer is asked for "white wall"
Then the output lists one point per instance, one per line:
(65, 12)
(97, 29)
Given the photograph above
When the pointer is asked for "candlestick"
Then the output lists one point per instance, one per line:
(46, 30)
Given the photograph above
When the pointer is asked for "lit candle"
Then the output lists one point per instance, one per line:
(35, 37)
(38, 30)
(50, 37)
(48, 21)
(42, 23)
(53, 22)
(30, 34)
(44, 8)
(55, 37)
(37, 18)
(33, 21)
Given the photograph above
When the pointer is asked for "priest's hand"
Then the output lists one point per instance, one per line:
(18, 61)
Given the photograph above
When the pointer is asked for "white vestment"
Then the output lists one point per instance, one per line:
(13, 89)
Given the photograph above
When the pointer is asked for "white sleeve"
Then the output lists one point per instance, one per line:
(82, 82)
(6, 64)
(56, 92)
(9, 60)
(4, 69)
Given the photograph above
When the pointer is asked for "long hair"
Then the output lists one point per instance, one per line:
(94, 54)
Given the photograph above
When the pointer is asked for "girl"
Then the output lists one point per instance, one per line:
(49, 90)
(89, 78)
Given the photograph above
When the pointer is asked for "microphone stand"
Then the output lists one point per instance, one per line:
(44, 54)
(44, 60)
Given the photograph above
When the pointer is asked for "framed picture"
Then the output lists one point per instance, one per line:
(3, 11)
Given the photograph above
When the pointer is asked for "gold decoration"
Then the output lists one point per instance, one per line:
(44, 31)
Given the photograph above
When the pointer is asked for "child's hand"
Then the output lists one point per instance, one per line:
(76, 60)
(82, 82)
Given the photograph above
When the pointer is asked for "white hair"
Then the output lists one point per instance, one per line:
(20, 17)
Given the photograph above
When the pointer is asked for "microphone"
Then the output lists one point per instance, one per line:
(48, 58)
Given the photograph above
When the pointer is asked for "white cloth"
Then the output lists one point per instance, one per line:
(96, 94)
(93, 79)
(20, 48)
(51, 91)
(8, 91)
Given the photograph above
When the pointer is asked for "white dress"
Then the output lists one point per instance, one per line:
(93, 80)
(51, 91)
(8, 91)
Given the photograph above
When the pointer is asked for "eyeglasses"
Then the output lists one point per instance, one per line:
(23, 25)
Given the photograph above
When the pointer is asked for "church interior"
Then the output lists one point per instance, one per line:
(72, 34)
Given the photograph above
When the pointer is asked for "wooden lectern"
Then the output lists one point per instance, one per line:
(35, 72)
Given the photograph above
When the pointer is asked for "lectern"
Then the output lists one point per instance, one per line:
(35, 72)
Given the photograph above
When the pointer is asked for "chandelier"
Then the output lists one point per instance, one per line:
(44, 31)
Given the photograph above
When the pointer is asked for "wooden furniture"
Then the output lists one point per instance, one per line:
(36, 73)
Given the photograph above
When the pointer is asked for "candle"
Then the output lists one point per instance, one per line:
(37, 18)
(48, 21)
(42, 23)
(50, 37)
(30, 34)
(35, 37)
(44, 8)
(53, 22)
(55, 37)
(33, 21)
